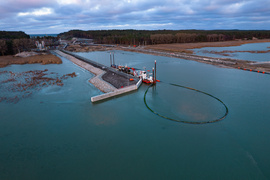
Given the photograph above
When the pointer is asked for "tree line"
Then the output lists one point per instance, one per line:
(16, 42)
(150, 37)
(13, 35)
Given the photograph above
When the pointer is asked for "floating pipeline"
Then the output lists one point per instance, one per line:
(185, 121)
(251, 70)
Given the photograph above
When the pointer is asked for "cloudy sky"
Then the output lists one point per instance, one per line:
(55, 16)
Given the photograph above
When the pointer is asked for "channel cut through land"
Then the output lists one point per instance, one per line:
(184, 51)
(177, 50)
(186, 47)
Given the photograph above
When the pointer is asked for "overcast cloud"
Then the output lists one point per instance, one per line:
(55, 16)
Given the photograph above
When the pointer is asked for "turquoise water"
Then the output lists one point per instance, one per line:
(238, 55)
(42, 35)
(59, 134)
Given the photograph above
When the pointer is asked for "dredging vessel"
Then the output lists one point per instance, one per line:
(146, 75)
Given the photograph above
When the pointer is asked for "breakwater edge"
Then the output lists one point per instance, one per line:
(107, 79)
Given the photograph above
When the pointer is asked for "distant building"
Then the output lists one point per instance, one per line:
(40, 46)
(84, 41)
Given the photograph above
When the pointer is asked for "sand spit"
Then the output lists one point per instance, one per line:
(228, 53)
(27, 54)
(179, 51)
(183, 51)
(221, 62)
(187, 47)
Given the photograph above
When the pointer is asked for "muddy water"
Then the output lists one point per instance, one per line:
(57, 133)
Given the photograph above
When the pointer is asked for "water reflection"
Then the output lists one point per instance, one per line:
(251, 52)
(121, 139)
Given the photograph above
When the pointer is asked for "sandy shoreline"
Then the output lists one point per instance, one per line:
(183, 51)
(187, 47)
(39, 58)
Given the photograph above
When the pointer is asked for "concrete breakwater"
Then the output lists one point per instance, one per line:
(107, 79)
(117, 92)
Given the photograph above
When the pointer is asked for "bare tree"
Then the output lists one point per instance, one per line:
(221, 37)
(16, 46)
(3, 46)
(22, 45)
(185, 37)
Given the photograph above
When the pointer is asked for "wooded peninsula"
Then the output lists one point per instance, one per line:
(152, 37)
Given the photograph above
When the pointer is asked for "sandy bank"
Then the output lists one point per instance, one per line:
(221, 62)
(184, 51)
(34, 58)
(186, 47)
(80, 48)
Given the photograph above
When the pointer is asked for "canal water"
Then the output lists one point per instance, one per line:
(57, 133)
(206, 51)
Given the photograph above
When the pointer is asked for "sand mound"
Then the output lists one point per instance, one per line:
(26, 54)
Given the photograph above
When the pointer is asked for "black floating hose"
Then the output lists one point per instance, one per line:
(185, 121)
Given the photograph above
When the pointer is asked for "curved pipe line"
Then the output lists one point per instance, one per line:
(185, 121)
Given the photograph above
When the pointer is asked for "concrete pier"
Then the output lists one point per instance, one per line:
(116, 92)
(113, 84)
